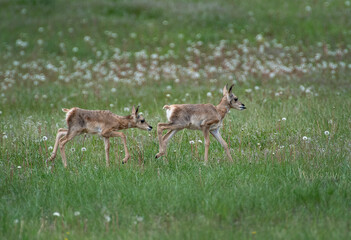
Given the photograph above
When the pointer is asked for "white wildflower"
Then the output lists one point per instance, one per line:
(45, 138)
(56, 214)
(199, 141)
(259, 37)
(87, 38)
(304, 138)
(209, 94)
(139, 218)
(192, 142)
(19, 167)
(107, 218)
(283, 119)
(326, 133)
(83, 149)
(76, 213)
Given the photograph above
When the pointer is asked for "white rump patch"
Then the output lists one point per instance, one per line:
(69, 113)
(169, 114)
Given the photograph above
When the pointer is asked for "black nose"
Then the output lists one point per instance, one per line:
(150, 127)
(243, 105)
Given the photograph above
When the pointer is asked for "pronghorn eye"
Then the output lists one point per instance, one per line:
(142, 121)
(235, 99)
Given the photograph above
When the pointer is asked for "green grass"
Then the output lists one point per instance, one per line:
(280, 186)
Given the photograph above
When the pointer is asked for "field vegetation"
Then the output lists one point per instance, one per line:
(290, 63)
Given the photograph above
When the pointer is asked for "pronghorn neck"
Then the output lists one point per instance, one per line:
(125, 122)
(223, 107)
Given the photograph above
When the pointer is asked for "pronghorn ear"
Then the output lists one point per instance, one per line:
(225, 91)
(137, 110)
(230, 89)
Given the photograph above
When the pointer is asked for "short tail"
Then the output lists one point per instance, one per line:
(166, 107)
(65, 110)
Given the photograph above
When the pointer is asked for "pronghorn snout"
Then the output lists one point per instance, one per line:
(242, 107)
(149, 128)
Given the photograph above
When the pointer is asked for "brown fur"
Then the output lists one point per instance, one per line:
(101, 122)
(205, 117)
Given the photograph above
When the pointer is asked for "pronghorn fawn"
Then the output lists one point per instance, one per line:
(205, 117)
(101, 122)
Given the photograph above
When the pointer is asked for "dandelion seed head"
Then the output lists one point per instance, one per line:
(45, 138)
(304, 138)
(56, 214)
(326, 133)
(83, 149)
(283, 119)
(76, 213)
(107, 218)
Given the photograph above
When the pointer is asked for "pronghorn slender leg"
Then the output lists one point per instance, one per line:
(207, 142)
(163, 140)
(107, 150)
(168, 136)
(60, 133)
(124, 140)
(62, 143)
(219, 138)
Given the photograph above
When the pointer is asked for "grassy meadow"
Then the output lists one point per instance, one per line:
(290, 62)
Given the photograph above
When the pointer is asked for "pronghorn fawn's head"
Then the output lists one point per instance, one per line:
(232, 100)
(139, 121)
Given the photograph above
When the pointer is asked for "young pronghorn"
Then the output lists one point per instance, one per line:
(101, 122)
(205, 117)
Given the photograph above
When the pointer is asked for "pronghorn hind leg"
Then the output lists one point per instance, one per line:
(62, 143)
(107, 150)
(207, 143)
(60, 133)
(163, 140)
